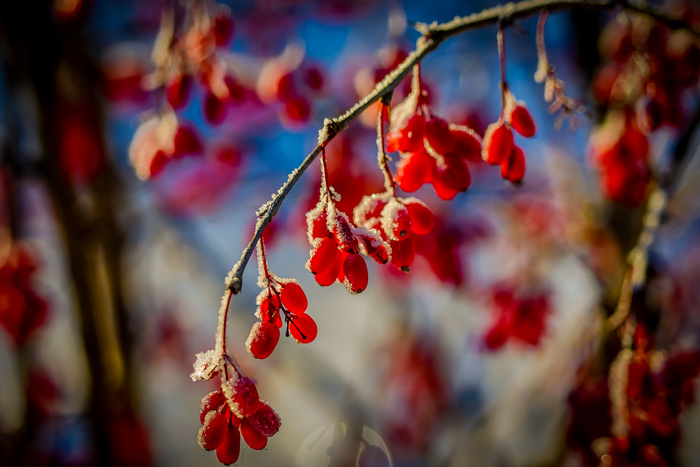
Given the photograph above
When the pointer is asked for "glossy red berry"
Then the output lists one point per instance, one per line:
(303, 328)
(213, 431)
(498, 143)
(403, 253)
(294, 298)
(513, 168)
(322, 256)
(467, 143)
(521, 121)
(230, 448)
(252, 437)
(414, 170)
(422, 218)
(437, 132)
(355, 271)
(262, 339)
(212, 401)
(409, 138)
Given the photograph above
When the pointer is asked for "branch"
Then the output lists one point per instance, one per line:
(433, 36)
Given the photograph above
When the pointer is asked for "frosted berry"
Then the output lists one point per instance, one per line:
(303, 328)
(294, 298)
(230, 448)
(265, 420)
(344, 237)
(212, 401)
(410, 137)
(521, 121)
(244, 400)
(263, 339)
(317, 223)
(252, 437)
(355, 271)
(498, 143)
(213, 431)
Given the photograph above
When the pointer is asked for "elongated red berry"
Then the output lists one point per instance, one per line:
(409, 138)
(375, 248)
(422, 218)
(414, 170)
(498, 143)
(467, 143)
(211, 401)
(455, 174)
(317, 223)
(322, 255)
(437, 132)
(327, 275)
(294, 298)
(356, 276)
(403, 253)
(265, 420)
(396, 221)
(262, 339)
(213, 431)
(223, 25)
(244, 400)
(230, 448)
(252, 437)
(303, 328)
(513, 168)
(522, 122)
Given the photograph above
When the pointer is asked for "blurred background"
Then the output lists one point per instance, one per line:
(138, 140)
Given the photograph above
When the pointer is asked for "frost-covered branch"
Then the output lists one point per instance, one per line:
(433, 35)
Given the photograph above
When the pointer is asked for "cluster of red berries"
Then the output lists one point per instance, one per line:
(432, 151)
(499, 147)
(234, 411)
(22, 311)
(280, 296)
(520, 316)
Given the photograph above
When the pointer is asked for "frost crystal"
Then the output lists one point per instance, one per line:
(206, 366)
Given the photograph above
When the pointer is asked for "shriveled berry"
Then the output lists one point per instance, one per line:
(356, 276)
(244, 400)
(294, 298)
(265, 420)
(211, 401)
(262, 339)
(422, 218)
(437, 132)
(513, 168)
(228, 451)
(498, 143)
(344, 237)
(252, 437)
(522, 122)
(213, 431)
(403, 253)
(303, 328)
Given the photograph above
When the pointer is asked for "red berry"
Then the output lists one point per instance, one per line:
(211, 401)
(213, 431)
(414, 170)
(467, 144)
(244, 400)
(422, 218)
(229, 155)
(177, 90)
(236, 93)
(157, 163)
(498, 143)
(285, 87)
(347, 243)
(329, 273)
(186, 142)
(262, 339)
(316, 223)
(313, 77)
(355, 270)
(294, 298)
(265, 420)
(375, 248)
(455, 174)
(223, 26)
(403, 253)
(269, 305)
(322, 256)
(214, 108)
(437, 132)
(230, 448)
(395, 220)
(252, 437)
(513, 168)
(409, 138)
(522, 122)
(303, 328)
(296, 109)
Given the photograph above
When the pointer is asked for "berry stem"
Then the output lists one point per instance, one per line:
(383, 158)
(502, 58)
(324, 173)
